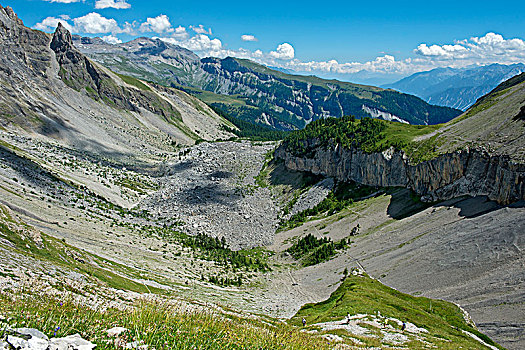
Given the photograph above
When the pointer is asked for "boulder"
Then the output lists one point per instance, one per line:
(71, 342)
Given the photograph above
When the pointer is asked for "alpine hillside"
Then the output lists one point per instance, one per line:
(49, 87)
(258, 93)
(474, 164)
(133, 215)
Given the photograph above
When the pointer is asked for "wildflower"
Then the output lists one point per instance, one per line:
(56, 330)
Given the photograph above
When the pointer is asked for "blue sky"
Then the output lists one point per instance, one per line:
(345, 39)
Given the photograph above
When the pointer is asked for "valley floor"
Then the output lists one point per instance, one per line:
(130, 222)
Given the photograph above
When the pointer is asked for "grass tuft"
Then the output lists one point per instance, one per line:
(158, 325)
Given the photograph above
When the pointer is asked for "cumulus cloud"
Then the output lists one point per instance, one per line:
(159, 24)
(50, 23)
(490, 48)
(247, 37)
(200, 29)
(180, 33)
(111, 39)
(199, 43)
(203, 42)
(440, 51)
(284, 51)
(65, 1)
(116, 4)
(386, 64)
(94, 23)
(487, 49)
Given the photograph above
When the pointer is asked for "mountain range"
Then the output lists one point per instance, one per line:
(257, 93)
(456, 87)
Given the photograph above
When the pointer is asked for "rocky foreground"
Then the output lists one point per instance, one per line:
(33, 339)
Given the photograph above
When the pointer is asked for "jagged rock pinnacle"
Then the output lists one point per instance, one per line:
(62, 39)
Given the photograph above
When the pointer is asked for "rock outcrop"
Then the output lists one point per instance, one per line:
(33, 339)
(465, 172)
(21, 48)
(77, 71)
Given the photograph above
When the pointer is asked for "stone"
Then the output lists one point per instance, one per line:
(17, 343)
(28, 338)
(71, 342)
(34, 333)
(116, 331)
(136, 345)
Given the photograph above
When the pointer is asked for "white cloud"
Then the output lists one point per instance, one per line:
(116, 4)
(284, 51)
(200, 43)
(94, 23)
(65, 1)
(439, 51)
(129, 28)
(111, 39)
(201, 30)
(180, 33)
(385, 64)
(247, 37)
(488, 49)
(159, 24)
(491, 48)
(50, 23)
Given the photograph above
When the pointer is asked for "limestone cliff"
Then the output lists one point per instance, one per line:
(463, 172)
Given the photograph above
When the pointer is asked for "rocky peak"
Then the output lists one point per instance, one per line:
(9, 23)
(62, 40)
(10, 14)
(75, 68)
(23, 51)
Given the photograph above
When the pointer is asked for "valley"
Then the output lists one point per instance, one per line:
(127, 201)
(151, 261)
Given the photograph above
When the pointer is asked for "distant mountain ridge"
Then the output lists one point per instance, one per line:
(456, 87)
(253, 92)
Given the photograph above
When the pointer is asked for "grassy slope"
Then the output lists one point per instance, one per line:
(133, 81)
(61, 254)
(312, 79)
(352, 95)
(160, 324)
(406, 106)
(364, 295)
(370, 135)
(157, 325)
(490, 123)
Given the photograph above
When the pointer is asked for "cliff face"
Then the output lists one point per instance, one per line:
(467, 172)
(21, 48)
